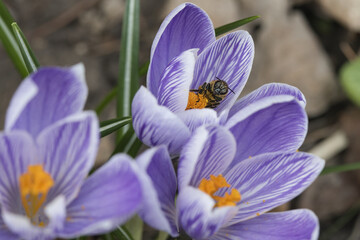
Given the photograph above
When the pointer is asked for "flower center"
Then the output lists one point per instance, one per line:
(212, 185)
(196, 101)
(34, 186)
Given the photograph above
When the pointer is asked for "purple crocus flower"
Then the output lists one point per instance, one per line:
(184, 56)
(46, 151)
(252, 154)
(222, 196)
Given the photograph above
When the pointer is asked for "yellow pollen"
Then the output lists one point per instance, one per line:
(34, 186)
(212, 185)
(196, 101)
(257, 214)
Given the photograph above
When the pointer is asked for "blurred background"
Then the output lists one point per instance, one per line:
(304, 43)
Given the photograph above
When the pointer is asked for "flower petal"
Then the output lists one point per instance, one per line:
(159, 201)
(229, 59)
(22, 226)
(17, 152)
(107, 199)
(68, 149)
(269, 180)
(190, 155)
(186, 27)
(277, 123)
(175, 81)
(197, 214)
(267, 90)
(194, 118)
(295, 225)
(200, 159)
(54, 93)
(156, 125)
(5, 233)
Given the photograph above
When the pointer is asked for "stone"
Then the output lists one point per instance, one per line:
(287, 51)
(347, 12)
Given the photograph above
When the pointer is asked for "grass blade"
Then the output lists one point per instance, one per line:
(9, 42)
(121, 233)
(129, 55)
(341, 168)
(112, 125)
(31, 62)
(231, 26)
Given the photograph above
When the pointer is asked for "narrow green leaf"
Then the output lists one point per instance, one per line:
(144, 68)
(231, 26)
(31, 62)
(111, 95)
(341, 168)
(5, 15)
(129, 144)
(162, 236)
(9, 42)
(107, 99)
(128, 82)
(350, 80)
(135, 227)
(112, 125)
(121, 233)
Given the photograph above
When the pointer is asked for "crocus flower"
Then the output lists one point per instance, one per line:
(184, 56)
(46, 151)
(222, 196)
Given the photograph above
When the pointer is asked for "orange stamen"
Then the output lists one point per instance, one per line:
(212, 185)
(196, 101)
(34, 186)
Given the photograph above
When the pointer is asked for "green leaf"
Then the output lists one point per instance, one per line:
(121, 233)
(341, 168)
(135, 227)
(112, 125)
(9, 42)
(231, 26)
(129, 144)
(350, 80)
(31, 62)
(111, 95)
(144, 68)
(128, 82)
(107, 99)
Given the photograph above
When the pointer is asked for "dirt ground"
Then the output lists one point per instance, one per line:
(300, 42)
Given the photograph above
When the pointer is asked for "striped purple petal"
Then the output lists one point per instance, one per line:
(267, 90)
(45, 97)
(269, 180)
(229, 59)
(68, 150)
(298, 224)
(205, 154)
(277, 123)
(175, 82)
(160, 189)
(107, 199)
(197, 215)
(155, 125)
(194, 118)
(17, 152)
(186, 27)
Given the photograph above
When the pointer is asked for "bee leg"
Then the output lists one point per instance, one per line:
(194, 90)
(218, 99)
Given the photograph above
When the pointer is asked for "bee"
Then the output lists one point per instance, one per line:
(214, 92)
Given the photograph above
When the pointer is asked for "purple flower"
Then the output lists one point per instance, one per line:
(184, 56)
(253, 154)
(224, 196)
(46, 151)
